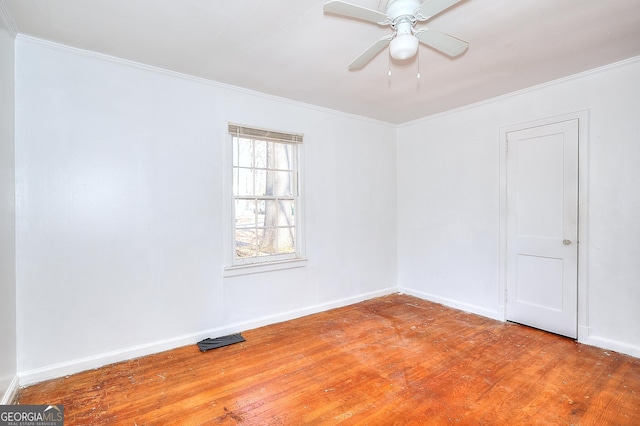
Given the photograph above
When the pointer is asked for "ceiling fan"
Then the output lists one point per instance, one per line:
(401, 16)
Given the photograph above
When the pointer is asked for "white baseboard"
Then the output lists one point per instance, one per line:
(53, 371)
(612, 345)
(11, 392)
(467, 307)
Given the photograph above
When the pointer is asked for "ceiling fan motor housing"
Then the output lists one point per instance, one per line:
(397, 8)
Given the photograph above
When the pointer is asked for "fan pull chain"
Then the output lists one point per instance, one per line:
(418, 64)
(389, 65)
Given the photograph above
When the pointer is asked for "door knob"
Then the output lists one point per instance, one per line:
(566, 242)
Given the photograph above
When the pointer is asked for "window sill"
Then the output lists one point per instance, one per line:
(257, 268)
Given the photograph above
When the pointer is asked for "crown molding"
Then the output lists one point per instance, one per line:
(5, 17)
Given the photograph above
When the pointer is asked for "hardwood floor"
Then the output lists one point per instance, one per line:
(395, 360)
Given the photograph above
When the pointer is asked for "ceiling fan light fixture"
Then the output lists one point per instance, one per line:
(402, 16)
(403, 46)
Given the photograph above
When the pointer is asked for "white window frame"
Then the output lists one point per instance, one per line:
(242, 266)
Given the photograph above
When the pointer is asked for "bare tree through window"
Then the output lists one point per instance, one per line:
(265, 195)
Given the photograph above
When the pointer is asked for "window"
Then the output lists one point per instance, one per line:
(265, 201)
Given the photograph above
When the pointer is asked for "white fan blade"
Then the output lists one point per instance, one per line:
(353, 11)
(370, 53)
(443, 42)
(431, 8)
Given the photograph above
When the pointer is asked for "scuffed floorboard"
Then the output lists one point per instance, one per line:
(394, 360)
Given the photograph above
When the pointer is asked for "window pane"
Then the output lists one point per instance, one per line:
(245, 213)
(286, 240)
(271, 213)
(261, 211)
(235, 180)
(244, 184)
(282, 184)
(261, 154)
(245, 152)
(286, 213)
(283, 156)
(271, 189)
(267, 241)
(261, 183)
(245, 243)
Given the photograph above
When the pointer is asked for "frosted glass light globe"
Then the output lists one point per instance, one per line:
(403, 46)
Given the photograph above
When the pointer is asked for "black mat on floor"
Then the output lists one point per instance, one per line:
(219, 342)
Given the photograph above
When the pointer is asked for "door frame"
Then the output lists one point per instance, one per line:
(583, 185)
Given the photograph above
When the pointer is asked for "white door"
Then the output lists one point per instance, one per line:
(542, 227)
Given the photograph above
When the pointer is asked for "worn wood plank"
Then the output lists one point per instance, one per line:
(395, 360)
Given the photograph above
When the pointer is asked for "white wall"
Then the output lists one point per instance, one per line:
(119, 211)
(119, 230)
(8, 367)
(448, 200)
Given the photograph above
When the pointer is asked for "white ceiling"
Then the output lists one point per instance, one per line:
(291, 49)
